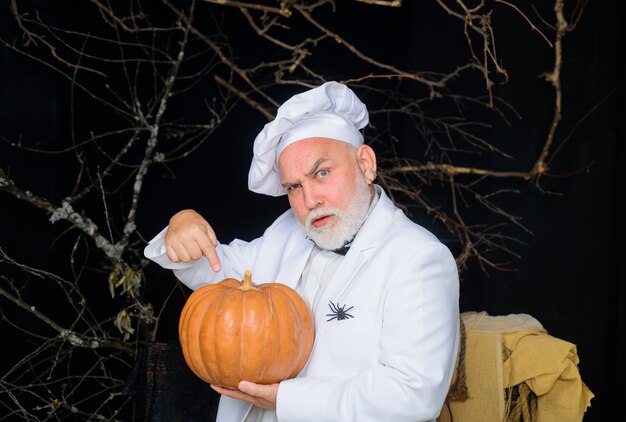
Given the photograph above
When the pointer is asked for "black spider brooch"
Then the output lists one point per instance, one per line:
(338, 312)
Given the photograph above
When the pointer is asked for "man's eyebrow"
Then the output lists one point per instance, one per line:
(286, 185)
(316, 165)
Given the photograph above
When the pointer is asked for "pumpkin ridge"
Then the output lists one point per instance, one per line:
(242, 337)
(207, 336)
(266, 321)
(191, 342)
(281, 358)
(255, 329)
(286, 326)
(296, 329)
(203, 352)
(275, 320)
(224, 333)
(303, 320)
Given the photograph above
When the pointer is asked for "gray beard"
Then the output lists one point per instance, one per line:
(347, 224)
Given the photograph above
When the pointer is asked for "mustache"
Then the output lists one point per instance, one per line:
(320, 212)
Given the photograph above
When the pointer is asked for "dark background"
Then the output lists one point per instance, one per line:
(571, 272)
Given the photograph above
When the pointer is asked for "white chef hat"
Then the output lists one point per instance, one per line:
(331, 110)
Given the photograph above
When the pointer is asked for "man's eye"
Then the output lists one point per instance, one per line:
(322, 173)
(292, 187)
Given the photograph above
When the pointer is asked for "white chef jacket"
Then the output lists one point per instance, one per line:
(392, 358)
(317, 271)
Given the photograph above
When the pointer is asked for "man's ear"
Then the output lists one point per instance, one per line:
(366, 159)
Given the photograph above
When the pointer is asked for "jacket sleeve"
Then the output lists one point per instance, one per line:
(235, 257)
(417, 353)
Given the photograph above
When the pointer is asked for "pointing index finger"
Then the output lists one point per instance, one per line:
(213, 258)
(209, 249)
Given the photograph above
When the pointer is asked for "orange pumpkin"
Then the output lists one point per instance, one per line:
(233, 331)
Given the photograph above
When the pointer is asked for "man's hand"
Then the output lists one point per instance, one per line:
(190, 237)
(258, 394)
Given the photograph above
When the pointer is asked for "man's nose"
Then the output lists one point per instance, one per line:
(312, 198)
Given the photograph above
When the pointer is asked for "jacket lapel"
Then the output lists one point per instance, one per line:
(361, 251)
(292, 267)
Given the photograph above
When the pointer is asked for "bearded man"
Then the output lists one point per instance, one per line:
(383, 290)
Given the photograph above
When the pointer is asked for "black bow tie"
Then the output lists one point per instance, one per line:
(342, 250)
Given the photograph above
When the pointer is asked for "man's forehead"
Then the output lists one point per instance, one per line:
(304, 166)
(304, 155)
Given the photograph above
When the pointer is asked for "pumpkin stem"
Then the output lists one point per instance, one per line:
(247, 280)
